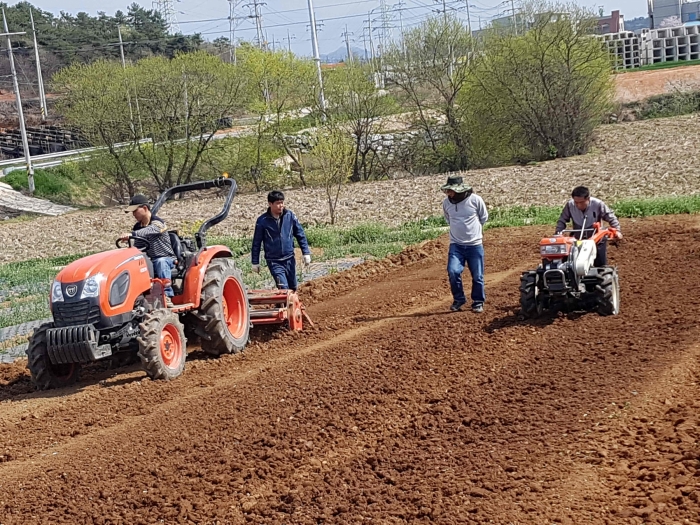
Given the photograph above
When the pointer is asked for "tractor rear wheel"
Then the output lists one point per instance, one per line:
(225, 309)
(530, 301)
(162, 345)
(607, 291)
(45, 374)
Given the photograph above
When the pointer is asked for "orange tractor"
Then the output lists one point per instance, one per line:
(110, 306)
(567, 275)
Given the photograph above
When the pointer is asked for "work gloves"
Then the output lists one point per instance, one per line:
(307, 261)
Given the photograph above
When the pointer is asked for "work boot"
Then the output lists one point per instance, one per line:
(477, 308)
(457, 306)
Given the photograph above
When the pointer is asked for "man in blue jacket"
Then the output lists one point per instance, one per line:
(275, 231)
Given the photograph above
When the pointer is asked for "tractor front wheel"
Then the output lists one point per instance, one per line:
(162, 345)
(45, 374)
(225, 309)
(607, 291)
(530, 300)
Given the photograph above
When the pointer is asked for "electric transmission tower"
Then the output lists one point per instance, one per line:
(166, 8)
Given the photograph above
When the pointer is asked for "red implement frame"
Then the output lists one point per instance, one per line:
(277, 307)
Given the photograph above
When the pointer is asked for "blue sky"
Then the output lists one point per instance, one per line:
(280, 16)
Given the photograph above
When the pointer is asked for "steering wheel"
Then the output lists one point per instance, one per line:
(129, 243)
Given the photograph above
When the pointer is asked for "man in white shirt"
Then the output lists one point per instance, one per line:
(466, 214)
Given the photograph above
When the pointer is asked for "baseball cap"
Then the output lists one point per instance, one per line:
(136, 202)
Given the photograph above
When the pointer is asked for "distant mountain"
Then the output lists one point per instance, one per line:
(340, 54)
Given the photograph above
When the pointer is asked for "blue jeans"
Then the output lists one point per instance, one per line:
(473, 256)
(163, 268)
(285, 273)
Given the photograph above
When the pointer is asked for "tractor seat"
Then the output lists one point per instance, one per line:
(175, 243)
(179, 255)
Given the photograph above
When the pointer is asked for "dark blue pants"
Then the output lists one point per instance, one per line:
(473, 256)
(285, 273)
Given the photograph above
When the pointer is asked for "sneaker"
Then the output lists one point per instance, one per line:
(456, 306)
(169, 302)
(478, 308)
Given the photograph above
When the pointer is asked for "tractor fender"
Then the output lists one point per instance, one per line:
(587, 252)
(194, 279)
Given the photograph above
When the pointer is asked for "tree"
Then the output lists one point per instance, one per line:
(333, 160)
(281, 87)
(553, 84)
(354, 101)
(96, 102)
(167, 111)
(67, 39)
(431, 69)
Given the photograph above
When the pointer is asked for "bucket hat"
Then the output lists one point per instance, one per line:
(456, 184)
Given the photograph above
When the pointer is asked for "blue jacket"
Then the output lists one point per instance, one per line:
(278, 241)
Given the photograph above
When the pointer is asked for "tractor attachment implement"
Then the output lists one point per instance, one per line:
(277, 307)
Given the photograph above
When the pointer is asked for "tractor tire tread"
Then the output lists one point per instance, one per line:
(604, 292)
(38, 366)
(528, 301)
(216, 338)
(149, 344)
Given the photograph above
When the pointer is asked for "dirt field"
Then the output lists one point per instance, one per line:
(393, 410)
(638, 85)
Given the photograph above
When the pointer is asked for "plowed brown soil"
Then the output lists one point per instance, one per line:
(393, 410)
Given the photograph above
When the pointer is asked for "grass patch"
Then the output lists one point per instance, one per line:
(666, 105)
(662, 65)
(65, 184)
(25, 289)
(25, 285)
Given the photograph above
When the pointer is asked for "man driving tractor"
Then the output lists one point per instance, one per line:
(583, 211)
(153, 230)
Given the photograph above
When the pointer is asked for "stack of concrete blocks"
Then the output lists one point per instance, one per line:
(671, 44)
(625, 49)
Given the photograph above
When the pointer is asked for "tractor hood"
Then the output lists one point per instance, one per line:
(100, 263)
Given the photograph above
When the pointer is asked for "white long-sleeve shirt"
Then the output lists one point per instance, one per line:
(466, 220)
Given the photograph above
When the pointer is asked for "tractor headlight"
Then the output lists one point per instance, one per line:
(553, 249)
(56, 292)
(91, 288)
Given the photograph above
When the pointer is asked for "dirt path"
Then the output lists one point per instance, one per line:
(393, 410)
(634, 86)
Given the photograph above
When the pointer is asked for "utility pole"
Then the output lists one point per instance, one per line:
(317, 59)
(258, 24)
(23, 130)
(128, 94)
(289, 41)
(371, 48)
(40, 78)
(347, 44)
(469, 18)
(403, 41)
(515, 25)
(364, 41)
(231, 49)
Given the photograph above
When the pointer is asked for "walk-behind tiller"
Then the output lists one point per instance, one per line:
(268, 307)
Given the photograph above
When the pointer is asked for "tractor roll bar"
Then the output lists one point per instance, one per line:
(201, 235)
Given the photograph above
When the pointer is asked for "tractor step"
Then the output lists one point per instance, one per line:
(177, 308)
